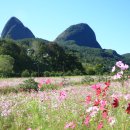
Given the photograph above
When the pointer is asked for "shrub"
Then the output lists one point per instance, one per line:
(34, 74)
(29, 85)
(77, 72)
(91, 71)
(68, 73)
(58, 73)
(52, 73)
(46, 73)
(25, 73)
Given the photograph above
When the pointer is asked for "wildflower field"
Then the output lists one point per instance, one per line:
(50, 105)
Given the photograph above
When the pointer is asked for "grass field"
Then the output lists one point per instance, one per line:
(76, 105)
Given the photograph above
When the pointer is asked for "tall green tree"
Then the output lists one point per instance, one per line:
(6, 65)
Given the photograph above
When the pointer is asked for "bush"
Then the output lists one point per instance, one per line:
(46, 73)
(77, 72)
(68, 73)
(25, 73)
(29, 85)
(58, 73)
(34, 74)
(91, 71)
(53, 73)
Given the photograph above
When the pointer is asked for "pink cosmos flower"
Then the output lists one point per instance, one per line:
(121, 65)
(88, 99)
(100, 126)
(97, 88)
(104, 114)
(39, 86)
(48, 81)
(107, 83)
(63, 95)
(124, 67)
(117, 76)
(41, 83)
(127, 97)
(96, 102)
(90, 109)
(93, 111)
(29, 129)
(70, 125)
(111, 121)
(103, 103)
(87, 120)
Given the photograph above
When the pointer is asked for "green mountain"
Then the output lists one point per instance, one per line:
(94, 57)
(81, 34)
(127, 57)
(15, 30)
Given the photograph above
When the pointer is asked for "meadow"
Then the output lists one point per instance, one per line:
(79, 103)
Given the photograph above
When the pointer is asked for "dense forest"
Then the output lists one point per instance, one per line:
(38, 57)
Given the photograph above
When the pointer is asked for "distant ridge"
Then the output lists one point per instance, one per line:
(81, 33)
(15, 30)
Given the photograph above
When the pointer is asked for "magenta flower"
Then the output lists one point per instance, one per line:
(100, 126)
(48, 81)
(121, 65)
(70, 125)
(97, 88)
(124, 67)
(128, 109)
(41, 83)
(104, 114)
(117, 76)
(103, 103)
(63, 95)
(87, 120)
(88, 99)
(29, 129)
(93, 111)
(115, 103)
(96, 102)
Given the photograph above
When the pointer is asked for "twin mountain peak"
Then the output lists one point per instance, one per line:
(81, 34)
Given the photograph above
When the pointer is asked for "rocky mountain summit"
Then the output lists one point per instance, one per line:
(81, 33)
(15, 30)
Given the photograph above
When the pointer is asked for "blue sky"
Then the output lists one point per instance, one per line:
(110, 19)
